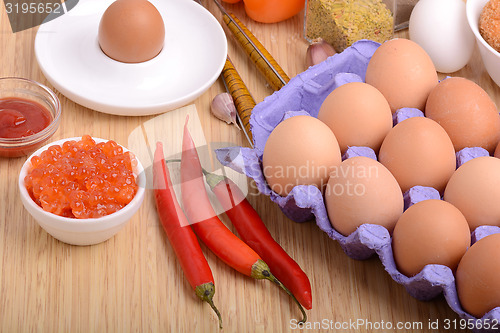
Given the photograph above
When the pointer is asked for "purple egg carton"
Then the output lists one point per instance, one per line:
(303, 95)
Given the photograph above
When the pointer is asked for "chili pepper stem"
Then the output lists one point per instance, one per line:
(206, 293)
(174, 160)
(260, 270)
(212, 179)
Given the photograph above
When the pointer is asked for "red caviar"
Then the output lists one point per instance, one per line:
(82, 179)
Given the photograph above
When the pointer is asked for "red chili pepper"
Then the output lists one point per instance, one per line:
(180, 235)
(210, 229)
(253, 231)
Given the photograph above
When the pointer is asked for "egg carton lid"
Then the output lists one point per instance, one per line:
(303, 95)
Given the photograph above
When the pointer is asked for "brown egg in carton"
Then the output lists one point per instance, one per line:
(304, 203)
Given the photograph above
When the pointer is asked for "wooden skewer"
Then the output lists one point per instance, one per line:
(265, 63)
(242, 98)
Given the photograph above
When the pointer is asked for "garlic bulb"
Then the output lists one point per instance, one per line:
(223, 107)
(318, 51)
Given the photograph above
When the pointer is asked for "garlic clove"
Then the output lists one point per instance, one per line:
(223, 107)
(318, 51)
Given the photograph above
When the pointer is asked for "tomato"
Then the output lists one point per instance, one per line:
(271, 11)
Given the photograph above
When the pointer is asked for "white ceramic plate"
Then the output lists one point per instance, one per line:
(192, 58)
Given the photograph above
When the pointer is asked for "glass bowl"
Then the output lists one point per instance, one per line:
(14, 87)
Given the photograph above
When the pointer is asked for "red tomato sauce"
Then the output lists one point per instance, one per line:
(21, 117)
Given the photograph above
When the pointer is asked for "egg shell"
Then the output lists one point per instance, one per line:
(301, 150)
(430, 232)
(477, 275)
(402, 71)
(497, 151)
(474, 189)
(358, 114)
(131, 31)
(441, 29)
(466, 112)
(418, 151)
(306, 91)
(361, 190)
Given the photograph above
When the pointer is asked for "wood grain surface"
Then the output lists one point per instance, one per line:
(133, 282)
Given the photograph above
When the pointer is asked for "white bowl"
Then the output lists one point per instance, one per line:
(81, 231)
(491, 58)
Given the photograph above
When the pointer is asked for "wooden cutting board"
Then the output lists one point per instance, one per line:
(133, 282)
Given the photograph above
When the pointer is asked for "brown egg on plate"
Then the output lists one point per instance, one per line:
(131, 31)
(358, 114)
(301, 150)
(418, 151)
(361, 190)
(477, 281)
(430, 232)
(466, 112)
(474, 188)
(403, 72)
